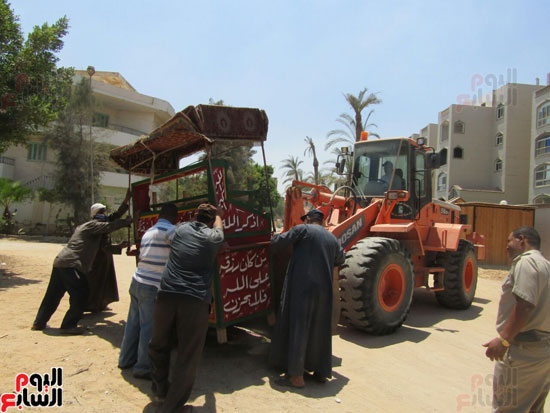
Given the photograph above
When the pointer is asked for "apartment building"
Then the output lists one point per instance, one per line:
(122, 115)
(487, 146)
(539, 172)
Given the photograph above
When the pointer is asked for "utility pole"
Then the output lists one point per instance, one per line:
(91, 72)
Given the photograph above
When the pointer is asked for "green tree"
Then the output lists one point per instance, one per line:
(10, 192)
(291, 165)
(310, 149)
(353, 124)
(32, 88)
(257, 182)
(70, 138)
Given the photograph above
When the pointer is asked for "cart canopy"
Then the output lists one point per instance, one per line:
(193, 129)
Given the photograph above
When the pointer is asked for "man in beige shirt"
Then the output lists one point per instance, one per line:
(522, 350)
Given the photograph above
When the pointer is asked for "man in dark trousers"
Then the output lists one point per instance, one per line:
(182, 307)
(521, 379)
(102, 275)
(69, 273)
(302, 339)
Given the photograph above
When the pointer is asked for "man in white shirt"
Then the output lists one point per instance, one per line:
(153, 255)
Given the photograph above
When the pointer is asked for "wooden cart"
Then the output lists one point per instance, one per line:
(242, 282)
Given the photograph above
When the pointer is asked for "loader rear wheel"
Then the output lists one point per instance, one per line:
(376, 285)
(460, 278)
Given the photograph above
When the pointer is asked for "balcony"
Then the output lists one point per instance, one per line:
(41, 182)
(125, 129)
(7, 167)
(118, 137)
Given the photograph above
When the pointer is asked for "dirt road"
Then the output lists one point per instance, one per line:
(434, 363)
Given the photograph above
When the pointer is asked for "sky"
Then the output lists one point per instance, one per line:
(296, 58)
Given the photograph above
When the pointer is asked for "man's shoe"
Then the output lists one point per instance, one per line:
(73, 331)
(38, 327)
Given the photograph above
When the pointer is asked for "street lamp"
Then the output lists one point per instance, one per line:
(91, 72)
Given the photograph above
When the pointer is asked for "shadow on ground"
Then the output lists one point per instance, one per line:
(425, 313)
(9, 279)
(243, 361)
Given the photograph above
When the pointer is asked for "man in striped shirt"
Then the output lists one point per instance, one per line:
(153, 254)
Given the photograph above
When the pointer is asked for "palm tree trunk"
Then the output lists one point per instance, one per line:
(358, 126)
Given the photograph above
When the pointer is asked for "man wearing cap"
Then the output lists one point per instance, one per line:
(69, 273)
(102, 275)
(521, 378)
(302, 339)
(182, 307)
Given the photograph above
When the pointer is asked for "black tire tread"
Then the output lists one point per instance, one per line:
(356, 294)
(453, 296)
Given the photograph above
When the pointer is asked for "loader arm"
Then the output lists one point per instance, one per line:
(357, 226)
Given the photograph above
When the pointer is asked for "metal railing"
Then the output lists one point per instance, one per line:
(7, 161)
(42, 181)
(125, 129)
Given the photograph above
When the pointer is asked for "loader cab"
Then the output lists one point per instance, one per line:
(394, 164)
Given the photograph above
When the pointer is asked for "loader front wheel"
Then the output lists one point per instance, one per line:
(460, 278)
(376, 285)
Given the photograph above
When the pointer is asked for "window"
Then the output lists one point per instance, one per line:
(459, 127)
(542, 199)
(458, 152)
(36, 151)
(442, 182)
(498, 165)
(543, 114)
(542, 175)
(499, 140)
(445, 131)
(542, 145)
(500, 111)
(443, 153)
(101, 120)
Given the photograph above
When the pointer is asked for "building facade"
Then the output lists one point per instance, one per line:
(122, 114)
(487, 147)
(539, 173)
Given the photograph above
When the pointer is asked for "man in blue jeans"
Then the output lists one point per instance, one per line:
(154, 250)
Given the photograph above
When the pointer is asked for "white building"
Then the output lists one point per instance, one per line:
(488, 147)
(539, 172)
(122, 115)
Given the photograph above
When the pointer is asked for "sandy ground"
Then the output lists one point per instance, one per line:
(434, 363)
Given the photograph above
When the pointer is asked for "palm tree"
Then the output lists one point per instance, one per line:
(354, 125)
(11, 192)
(311, 150)
(293, 171)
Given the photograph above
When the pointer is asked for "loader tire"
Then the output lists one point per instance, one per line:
(460, 278)
(376, 285)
